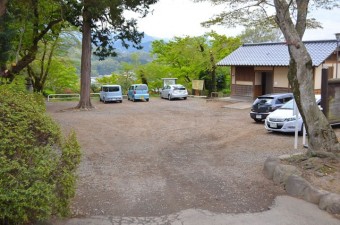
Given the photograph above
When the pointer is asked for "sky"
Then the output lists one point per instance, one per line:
(183, 17)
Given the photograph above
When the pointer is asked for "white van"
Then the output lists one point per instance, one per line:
(111, 93)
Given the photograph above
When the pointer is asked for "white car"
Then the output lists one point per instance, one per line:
(111, 93)
(284, 120)
(174, 91)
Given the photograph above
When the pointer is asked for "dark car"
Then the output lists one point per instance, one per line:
(265, 104)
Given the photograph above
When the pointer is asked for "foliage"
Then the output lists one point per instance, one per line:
(52, 66)
(32, 21)
(261, 34)
(259, 13)
(191, 58)
(37, 172)
(112, 79)
(6, 34)
(153, 72)
(62, 77)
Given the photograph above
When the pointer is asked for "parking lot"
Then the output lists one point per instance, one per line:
(160, 157)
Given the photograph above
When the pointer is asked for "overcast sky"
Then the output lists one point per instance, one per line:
(182, 17)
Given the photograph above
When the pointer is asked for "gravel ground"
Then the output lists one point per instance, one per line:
(160, 157)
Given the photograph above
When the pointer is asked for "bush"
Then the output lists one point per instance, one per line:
(37, 167)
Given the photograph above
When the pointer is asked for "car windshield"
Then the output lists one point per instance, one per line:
(141, 87)
(288, 105)
(263, 101)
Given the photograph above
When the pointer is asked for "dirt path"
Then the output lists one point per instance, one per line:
(160, 157)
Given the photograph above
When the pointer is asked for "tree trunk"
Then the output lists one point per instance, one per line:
(85, 70)
(2, 7)
(213, 72)
(321, 135)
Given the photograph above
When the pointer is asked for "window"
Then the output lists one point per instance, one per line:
(141, 87)
(279, 101)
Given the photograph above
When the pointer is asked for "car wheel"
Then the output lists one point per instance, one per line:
(169, 97)
(128, 98)
(185, 98)
(257, 120)
(120, 101)
(147, 99)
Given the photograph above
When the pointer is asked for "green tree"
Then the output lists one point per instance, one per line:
(112, 79)
(194, 57)
(102, 23)
(32, 21)
(62, 77)
(292, 19)
(52, 52)
(261, 34)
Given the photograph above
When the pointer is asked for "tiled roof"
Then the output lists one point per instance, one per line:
(276, 54)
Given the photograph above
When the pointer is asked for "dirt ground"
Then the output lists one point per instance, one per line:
(160, 157)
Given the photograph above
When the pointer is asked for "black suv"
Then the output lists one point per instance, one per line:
(265, 104)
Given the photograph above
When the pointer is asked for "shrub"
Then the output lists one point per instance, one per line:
(37, 167)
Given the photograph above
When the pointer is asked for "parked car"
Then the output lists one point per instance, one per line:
(111, 93)
(265, 104)
(174, 91)
(284, 120)
(138, 92)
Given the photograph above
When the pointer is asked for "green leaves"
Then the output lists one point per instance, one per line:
(37, 168)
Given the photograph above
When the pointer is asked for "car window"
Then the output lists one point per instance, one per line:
(279, 101)
(288, 105)
(287, 99)
(141, 87)
(179, 88)
(262, 101)
(111, 89)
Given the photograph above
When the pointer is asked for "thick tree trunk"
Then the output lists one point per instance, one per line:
(2, 7)
(85, 70)
(321, 135)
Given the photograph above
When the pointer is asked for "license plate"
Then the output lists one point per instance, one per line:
(258, 117)
(273, 125)
(142, 97)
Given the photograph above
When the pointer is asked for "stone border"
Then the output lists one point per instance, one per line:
(289, 177)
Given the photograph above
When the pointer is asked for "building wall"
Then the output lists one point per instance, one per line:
(242, 81)
(280, 77)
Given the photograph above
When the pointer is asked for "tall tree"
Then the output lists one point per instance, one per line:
(291, 17)
(102, 22)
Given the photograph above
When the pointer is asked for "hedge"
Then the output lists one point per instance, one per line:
(37, 165)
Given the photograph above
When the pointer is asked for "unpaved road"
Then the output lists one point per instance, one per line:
(156, 158)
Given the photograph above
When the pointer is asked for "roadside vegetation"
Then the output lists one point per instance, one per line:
(37, 164)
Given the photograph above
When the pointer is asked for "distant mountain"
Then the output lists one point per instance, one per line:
(112, 64)
(146, 43)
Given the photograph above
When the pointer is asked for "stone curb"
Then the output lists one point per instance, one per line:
(289, 177)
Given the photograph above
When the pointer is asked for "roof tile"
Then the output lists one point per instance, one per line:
(276, 54)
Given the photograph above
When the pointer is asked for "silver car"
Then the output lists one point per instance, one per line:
(173, 91)
(284, 120)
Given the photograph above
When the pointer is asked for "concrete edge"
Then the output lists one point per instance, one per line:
(289, 177)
